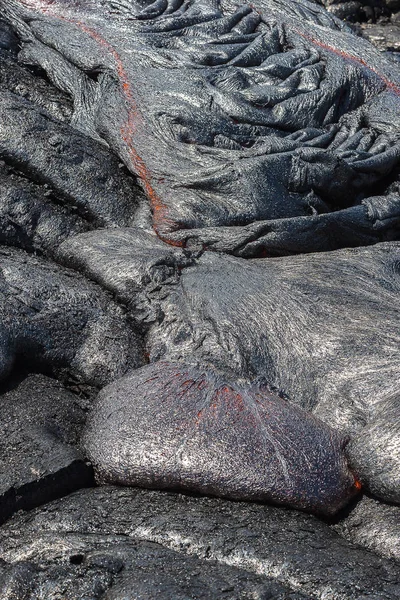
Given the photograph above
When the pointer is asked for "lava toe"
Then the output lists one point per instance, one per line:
(170, 425)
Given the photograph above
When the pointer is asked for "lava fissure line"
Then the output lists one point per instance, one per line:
(158, 208)
(126, 130)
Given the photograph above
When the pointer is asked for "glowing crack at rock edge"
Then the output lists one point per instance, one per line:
(257, 131)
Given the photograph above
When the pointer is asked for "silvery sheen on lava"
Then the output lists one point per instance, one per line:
(259, 132)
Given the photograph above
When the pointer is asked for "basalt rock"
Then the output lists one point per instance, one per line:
(41, 424)
(172, 426)
(374, 525)
(131, 570)
(360, 11)
(375, 452)
(31, 218)
(386, 36)
(8, 39)
(254, 131)
(33, 86)
(53, 318)
(125, 533)
(281, 119)
(133, 264)
(56, 181)
(338, 358)
(48, 151)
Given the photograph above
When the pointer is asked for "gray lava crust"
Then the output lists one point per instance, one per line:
(41, 424)
(129, 531)
(140, 146)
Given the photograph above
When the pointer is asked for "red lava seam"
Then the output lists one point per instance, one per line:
(389, 84)
(158, 208)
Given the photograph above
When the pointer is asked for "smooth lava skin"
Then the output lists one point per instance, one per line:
(253, 129)
(171, 425)
(323, 329)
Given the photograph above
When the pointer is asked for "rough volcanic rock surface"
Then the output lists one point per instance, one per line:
(132, 570)
(30, 218)
(57, 180)
(360, 11)
(8, 40)
(32, 86)
(385, 34)
(105, 526)
(373, 524)
(133, 264)
(53, 318)
(41, 424)
(323, 329)
(32, 141)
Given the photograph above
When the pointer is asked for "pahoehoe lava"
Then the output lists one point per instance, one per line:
(219, 436)
(277, 127)
(254, 131)
(322, 328)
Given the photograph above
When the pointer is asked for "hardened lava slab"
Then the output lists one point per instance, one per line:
(41, 422)
(52, 318)
(116, 537)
